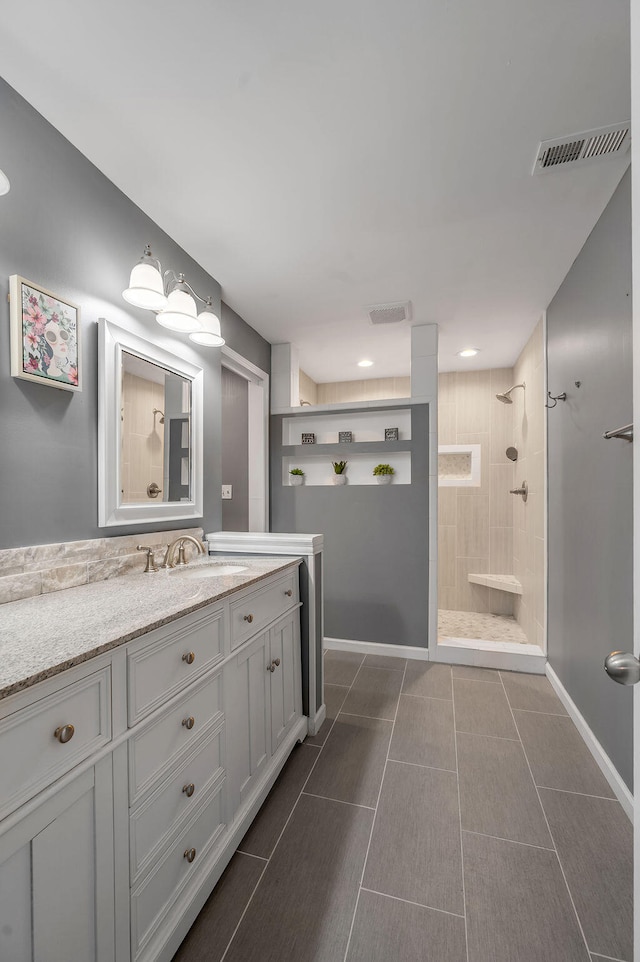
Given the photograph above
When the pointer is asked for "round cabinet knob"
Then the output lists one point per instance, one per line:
(189, 722)
(248, 618)
(64, 734)
(189, 657)
(277, 662)
(190, 854)
(271, 667)
(189, 789)
(288, 592)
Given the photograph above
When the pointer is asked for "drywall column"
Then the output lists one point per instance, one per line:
(285, 378)
(424, 390)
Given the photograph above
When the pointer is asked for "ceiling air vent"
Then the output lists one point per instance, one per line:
(579, 149)
(390, 313)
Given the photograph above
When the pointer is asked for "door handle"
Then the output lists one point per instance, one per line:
(622, 667)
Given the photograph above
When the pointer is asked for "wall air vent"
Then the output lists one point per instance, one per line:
(584, 148)
(390, 313)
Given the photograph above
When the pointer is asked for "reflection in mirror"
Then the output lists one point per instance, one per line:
(155, 416)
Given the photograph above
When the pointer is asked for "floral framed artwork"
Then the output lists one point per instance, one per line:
(45, 336)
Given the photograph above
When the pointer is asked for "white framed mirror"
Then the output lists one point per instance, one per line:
(150, 432)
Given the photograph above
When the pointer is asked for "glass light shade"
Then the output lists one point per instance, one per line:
(180, 314)
(210, 335)
(4, 183)
(145, 288)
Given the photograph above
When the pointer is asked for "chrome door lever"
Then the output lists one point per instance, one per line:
(622, 667)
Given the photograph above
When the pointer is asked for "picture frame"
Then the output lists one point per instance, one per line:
(45, 336)
(345, 437)
(308, 438)
(391, 434)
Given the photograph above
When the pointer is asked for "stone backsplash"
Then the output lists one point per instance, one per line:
(38, 569)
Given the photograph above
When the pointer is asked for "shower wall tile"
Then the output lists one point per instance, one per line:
(485, 477)
(446, 423)
(447, 506)
(473, 393)
(471, 597)
(472, 530)
(446, 556)
(500, 550)
(501, 500)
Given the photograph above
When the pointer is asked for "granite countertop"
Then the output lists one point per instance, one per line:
(47, 634)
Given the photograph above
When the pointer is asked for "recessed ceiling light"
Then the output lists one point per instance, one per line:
(365, 363)
(469, 352)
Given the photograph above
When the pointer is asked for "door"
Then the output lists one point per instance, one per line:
(56, 876)
(286, 682)
(248, 711)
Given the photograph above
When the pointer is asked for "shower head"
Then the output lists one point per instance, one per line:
(158, 411)
(505, 397)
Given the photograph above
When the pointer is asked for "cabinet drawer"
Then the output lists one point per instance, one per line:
(161, 668)
(31, 753)
(158, 744)
(174, 801)
(250, 614)
(150, 902)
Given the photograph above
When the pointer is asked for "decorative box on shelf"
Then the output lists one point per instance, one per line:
(391, 434)
(345, 437)
(308, 438)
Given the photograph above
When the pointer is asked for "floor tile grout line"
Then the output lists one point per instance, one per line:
(381, 667)
(240, 851)
(340, 801)
(500, 738)
(353, 714)
(608, 958)
(293, 808)
(409, 694)
(514, 841)
(244, 912)
(420, 905)
(432, 768)
(483, 681)
(375, 814)
(464, 891)
(567, 791)
(524, 750)
(536, 711)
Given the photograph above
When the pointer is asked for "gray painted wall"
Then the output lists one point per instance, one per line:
(590, 479)
(65, 226)
(235, 450)
(376, 554)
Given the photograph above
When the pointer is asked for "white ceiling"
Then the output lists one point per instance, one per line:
(317, 158)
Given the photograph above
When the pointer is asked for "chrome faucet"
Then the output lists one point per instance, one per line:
(179, 542)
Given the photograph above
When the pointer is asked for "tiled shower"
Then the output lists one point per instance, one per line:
(482, 528)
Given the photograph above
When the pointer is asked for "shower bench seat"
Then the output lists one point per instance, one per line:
(507, 583)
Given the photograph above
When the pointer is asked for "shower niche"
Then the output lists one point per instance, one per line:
(459, 465)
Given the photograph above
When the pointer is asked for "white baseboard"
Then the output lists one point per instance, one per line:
(374, 648)
(315, 723)
(603, 761)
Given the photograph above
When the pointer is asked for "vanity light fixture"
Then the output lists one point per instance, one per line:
(365, 363)
(173, 300)
(4, 183)
(469, 352)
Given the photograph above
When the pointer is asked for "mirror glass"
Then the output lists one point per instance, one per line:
(150, 431)
(155, 433)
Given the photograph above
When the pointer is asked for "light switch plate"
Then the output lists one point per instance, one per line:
(227, 492)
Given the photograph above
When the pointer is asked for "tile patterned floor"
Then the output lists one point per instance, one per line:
(472, 624)
(440, 815)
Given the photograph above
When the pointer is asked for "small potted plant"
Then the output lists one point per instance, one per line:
(383, 473)
(339, 477)
(296, 476)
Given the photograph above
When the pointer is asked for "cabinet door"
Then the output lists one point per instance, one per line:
(248, 710)
(286, 684)
(56, 876)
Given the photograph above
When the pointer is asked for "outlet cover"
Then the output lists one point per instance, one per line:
(227, 492)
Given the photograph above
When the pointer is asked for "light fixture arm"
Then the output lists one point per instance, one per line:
(171, 277)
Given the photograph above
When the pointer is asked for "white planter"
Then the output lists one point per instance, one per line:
(295, 480)
(384, 478)
(339, 479)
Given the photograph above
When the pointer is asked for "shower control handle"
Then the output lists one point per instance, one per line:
(523, 491)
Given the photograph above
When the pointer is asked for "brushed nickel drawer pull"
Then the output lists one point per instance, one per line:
(189, 789)
(190, 854)
(288, 592)
(271, 667)
(64, 734)
(189, 722)
(277, 662)
(189, 657)
(248, 618)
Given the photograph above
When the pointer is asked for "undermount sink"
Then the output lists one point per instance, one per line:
(211, 570)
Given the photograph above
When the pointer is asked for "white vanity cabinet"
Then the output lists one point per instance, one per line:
(132, 777)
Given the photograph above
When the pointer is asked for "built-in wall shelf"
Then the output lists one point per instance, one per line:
(500, 582)
(367, 449)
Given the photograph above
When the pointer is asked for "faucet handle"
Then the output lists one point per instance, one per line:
(151, 561)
